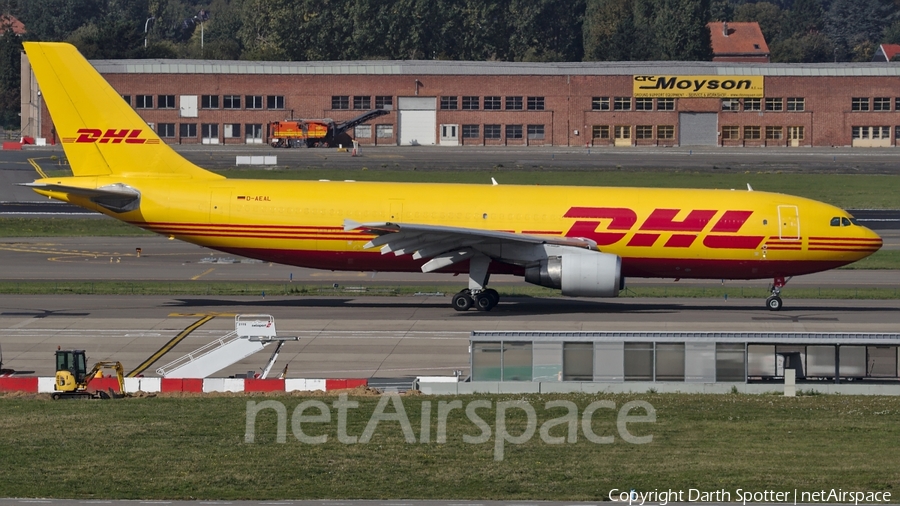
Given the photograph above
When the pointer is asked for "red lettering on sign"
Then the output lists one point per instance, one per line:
(664, 219)
(88, 135)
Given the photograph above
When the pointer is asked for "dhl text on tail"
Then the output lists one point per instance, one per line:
(582, 240)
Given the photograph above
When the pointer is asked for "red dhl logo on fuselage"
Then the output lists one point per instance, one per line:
(111, 136)
(623, 220)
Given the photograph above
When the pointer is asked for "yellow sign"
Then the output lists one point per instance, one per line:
(698, 86)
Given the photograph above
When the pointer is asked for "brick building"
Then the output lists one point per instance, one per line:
(494, 103)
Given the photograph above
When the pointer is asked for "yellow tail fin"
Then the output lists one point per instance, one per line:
(100, 133)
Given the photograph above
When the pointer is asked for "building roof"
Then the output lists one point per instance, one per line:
(492, 68)
(886, 52)
(737, 40)
(8, 20)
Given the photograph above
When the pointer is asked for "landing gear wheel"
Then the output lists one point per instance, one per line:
(484, 302)
(774, 303)
(495, 297)
(462, 301)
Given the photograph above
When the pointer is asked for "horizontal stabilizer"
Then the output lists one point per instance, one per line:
(115, 197)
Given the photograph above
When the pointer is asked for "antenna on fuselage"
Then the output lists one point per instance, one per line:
(494, 182)
(749, 188)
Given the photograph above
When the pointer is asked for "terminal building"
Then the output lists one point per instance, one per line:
(452, 103)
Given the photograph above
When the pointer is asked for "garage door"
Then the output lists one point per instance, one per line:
(698, 129)
(417, 117)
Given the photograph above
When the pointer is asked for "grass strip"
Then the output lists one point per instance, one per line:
(194, 448)
(260, 289)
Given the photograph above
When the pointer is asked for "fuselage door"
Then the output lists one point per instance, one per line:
(788, 222)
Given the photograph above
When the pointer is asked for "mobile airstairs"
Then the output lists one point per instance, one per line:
(252, 333)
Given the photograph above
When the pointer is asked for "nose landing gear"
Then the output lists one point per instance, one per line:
(774, 302)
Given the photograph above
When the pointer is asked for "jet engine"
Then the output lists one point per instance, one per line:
(579, 273)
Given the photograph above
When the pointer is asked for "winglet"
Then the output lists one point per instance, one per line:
(494, 182)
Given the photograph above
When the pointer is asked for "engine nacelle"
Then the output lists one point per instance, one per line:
(579, 273)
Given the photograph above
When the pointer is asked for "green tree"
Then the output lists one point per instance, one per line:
(768, 15)
(855, 25)
(813, 47)
(681, 31)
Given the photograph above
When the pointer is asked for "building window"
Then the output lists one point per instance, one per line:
(774, 133)
(254, 102)
(795, 133)
(513, 131)
(731, 132)
(513, 103)
(449, 103)
(127, 99)
(623, 132)
(665, 104)
(860, 104)
(471, 103)
(384, 102)
(340, 102)
(643, 104)
(881, 104)
(470, 131)
(643, 132)
(796, 104)
(731, 104)
(209, 101)
(231, 101)
(143, 102)
(384, 131)
(600, 103)
(897, 132)
(210, 130)
(233, 130)
(187, 130)
(752, 104)
(622, 104)
(275, 102)
(491, 103)
(751, 133)
(253, 133)
(666, 132)
(536, 104)
(774, 104)
(362, 132)
(165, 129)
(535, 131)
(166, 101)
(600, 132)
(491, 131)
(364, 103)
(897, 104)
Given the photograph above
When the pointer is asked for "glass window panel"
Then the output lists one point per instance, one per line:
(761, 360)
(882, 361)
(638, 361)
(486, 361)
(578, 361)
(669, 361)
(517, 361)
(730, 362)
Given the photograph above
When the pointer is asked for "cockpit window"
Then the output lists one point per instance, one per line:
(835, 222)
(853, 221)
(845, 222)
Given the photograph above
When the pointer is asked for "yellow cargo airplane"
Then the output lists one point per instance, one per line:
(584, 241)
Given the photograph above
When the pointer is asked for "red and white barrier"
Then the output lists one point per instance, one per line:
(44, 385)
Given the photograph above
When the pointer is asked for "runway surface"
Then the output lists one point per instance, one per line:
(395, 502)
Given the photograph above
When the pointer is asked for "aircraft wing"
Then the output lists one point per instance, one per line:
(448, 245)
(115, 197)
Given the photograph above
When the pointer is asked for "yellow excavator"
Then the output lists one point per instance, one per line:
(73, 378)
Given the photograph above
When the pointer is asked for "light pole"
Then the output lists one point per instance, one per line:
(146, 27)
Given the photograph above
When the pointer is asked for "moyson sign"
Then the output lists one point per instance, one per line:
(698, 86)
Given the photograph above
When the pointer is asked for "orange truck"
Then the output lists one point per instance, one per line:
(314, 133)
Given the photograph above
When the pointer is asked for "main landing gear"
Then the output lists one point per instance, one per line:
(774, 302)
(483, 299)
